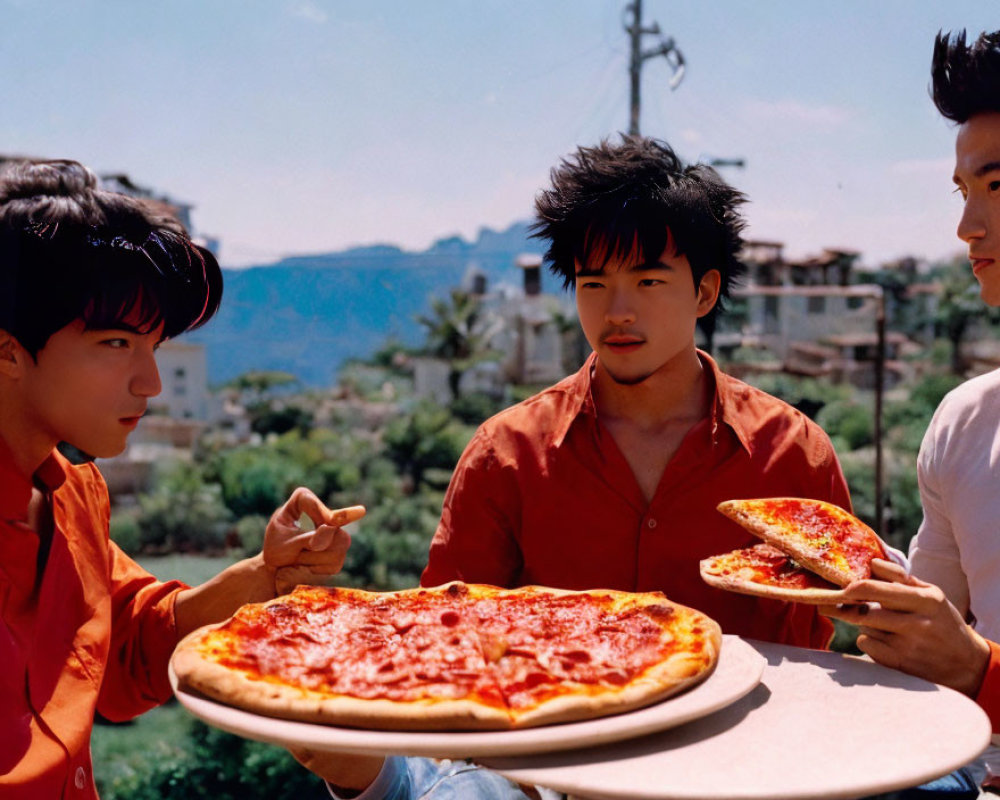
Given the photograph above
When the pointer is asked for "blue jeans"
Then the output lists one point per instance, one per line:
(957, 785)
(424, 779)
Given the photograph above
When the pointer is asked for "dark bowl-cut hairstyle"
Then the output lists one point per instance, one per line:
(606, 199)
(965, 79)
(69, 250)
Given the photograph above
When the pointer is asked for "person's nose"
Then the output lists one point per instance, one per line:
(146, 380)
(621, 308)
(972, 224)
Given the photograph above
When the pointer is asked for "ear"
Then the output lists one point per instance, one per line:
(12, 355)
(708, 291)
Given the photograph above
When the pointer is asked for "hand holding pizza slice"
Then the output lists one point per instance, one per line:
(812, 549)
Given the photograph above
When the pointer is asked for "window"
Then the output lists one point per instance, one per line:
(816, 305)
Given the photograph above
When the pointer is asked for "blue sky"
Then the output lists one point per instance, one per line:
(303, 126)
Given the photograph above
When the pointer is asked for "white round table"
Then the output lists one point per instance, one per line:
(819, 725)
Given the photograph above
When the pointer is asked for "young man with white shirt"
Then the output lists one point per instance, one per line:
(942, 622)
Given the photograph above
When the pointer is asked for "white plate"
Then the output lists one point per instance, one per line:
(737, 673)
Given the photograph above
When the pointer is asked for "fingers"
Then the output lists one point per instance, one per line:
(303, 501)
(341, 769)
(875, 618)
(300, 556)
(889, 571)
(343, 516)
(323, 550)
(878, 647)
(908, 595)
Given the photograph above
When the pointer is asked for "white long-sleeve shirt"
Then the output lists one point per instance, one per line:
(958, 544)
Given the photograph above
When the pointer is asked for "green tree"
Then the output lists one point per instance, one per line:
(425, 439)
(848, 423)
(959, 306)
(184, 512)
(268, 417)
(256, 480)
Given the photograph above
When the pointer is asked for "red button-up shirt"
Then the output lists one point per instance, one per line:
(93, 631)
(542, 495)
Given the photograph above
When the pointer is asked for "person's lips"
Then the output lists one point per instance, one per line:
(131, 421)
(980, 263)
(622, 343)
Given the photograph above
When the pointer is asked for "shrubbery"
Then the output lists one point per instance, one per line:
(220, 766)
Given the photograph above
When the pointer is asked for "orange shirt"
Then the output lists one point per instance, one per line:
(93, 632)
(989, 693)
(543, 495)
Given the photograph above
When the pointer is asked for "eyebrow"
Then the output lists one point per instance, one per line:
(645, 266)
(985, 169)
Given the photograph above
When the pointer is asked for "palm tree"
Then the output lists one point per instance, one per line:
(458, 333)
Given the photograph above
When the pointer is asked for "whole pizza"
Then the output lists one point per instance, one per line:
(454, 657)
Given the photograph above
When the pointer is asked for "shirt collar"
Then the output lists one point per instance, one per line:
(15, 488)
(727, 399)
(727, 403)
(579, 399)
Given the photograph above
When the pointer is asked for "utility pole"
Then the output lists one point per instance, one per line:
(666, 48)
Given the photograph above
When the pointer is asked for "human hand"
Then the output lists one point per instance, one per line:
(302, 556)
(909, 625)
(342, 770)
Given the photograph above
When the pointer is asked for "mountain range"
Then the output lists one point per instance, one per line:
(308, 314)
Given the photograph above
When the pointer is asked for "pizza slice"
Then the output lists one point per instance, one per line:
(576, 655)
(765, 571)
(818, 535)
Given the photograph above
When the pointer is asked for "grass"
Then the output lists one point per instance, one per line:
(188, 568)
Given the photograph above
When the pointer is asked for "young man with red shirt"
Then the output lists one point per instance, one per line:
(90, 283)
(611, 477)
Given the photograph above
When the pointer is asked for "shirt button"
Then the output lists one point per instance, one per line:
(651, 523)
(80, 779)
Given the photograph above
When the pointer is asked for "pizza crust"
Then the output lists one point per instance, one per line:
(818, 597)
(272, 699)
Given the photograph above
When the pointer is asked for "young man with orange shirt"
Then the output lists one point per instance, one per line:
(611, 477)
(90, 283)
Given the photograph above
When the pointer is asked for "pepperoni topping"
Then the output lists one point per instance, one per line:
(505, 649)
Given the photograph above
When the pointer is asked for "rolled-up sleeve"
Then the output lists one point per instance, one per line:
(143, 636)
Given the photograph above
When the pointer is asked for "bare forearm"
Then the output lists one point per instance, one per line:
(246, 581)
